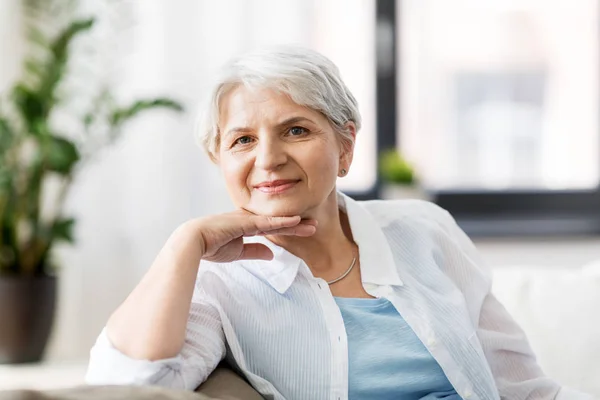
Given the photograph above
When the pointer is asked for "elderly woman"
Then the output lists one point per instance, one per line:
(307, 292)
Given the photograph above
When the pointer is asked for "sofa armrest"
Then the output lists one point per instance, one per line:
(222, 384)
(225, 384)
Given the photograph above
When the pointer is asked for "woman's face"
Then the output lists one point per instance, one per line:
(278, 158)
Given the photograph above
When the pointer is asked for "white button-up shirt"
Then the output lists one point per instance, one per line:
(281, 328)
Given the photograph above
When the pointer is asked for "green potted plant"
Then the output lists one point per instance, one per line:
(399, 177)
(34, 152)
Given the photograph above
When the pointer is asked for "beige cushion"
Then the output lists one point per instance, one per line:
(104, 393)
(225, 384)
(222, 384)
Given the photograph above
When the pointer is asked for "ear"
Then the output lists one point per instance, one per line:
(347, 147)
(214, 158)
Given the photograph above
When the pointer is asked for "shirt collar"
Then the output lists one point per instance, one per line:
(376, 258)
(281, 271)
(377, 264)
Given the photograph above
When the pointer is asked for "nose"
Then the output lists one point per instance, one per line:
(270, 154)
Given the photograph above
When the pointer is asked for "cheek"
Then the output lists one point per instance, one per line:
(235, 171)
(321, 163)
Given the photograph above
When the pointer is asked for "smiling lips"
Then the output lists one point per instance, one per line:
(276, 187)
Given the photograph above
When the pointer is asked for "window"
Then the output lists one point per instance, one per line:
(500, 94)
(497, 106)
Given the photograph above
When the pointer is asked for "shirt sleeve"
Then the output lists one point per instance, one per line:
(203, 349)
(510, 357)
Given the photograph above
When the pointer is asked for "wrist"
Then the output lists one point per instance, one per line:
(189, 235)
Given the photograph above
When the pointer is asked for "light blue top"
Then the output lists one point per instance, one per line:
(386, 359)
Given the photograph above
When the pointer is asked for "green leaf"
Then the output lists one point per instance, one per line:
(63, 230)
(395, 169)
(4, 178)
(59, 155)
(6, 183)
(34, 67)
(5, 188)
(54, 71)
(28, 103)
(6, 136)
(121, 115)
(36, 36)
(61, 43)
(40, 128)
(55, 67)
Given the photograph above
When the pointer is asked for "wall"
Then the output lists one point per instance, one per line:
(11, 42)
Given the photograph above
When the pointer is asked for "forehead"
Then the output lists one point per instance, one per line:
(247, 106)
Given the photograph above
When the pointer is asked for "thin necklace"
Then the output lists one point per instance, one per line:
(344, 274)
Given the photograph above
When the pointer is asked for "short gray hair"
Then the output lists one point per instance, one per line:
(306, 76)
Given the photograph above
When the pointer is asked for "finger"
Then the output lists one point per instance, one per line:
(256, 251)
(299, 230)
(256, 224)
(306, 227)
(312, 222)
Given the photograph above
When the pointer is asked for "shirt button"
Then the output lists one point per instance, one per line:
(467, 394)
(432, 342)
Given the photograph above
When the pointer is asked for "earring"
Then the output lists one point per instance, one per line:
(343, 171)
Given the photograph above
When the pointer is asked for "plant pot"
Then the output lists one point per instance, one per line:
(26, 316)
(404, 192)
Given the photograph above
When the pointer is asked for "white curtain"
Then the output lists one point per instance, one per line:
(132, 197)
(11, 42)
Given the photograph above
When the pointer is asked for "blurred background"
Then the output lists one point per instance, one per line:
(490, 109)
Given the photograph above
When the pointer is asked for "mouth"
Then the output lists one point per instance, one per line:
(276, 187)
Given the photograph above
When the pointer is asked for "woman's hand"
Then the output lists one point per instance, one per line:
(222, 235)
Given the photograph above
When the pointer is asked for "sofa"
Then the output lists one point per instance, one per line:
(223, 384)
(559, 309)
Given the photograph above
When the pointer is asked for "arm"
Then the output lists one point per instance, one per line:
(151, 323)
(505, 345)
(160, 334)
(203, 348)
(165, 333)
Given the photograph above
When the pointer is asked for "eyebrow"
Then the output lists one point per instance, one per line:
(294, 120)
(287, 122)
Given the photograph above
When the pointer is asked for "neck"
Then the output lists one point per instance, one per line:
(329, 246)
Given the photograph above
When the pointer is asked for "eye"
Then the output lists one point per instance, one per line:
(297, 131)
(243, 140)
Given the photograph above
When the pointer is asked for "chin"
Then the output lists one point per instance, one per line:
(278, 207)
